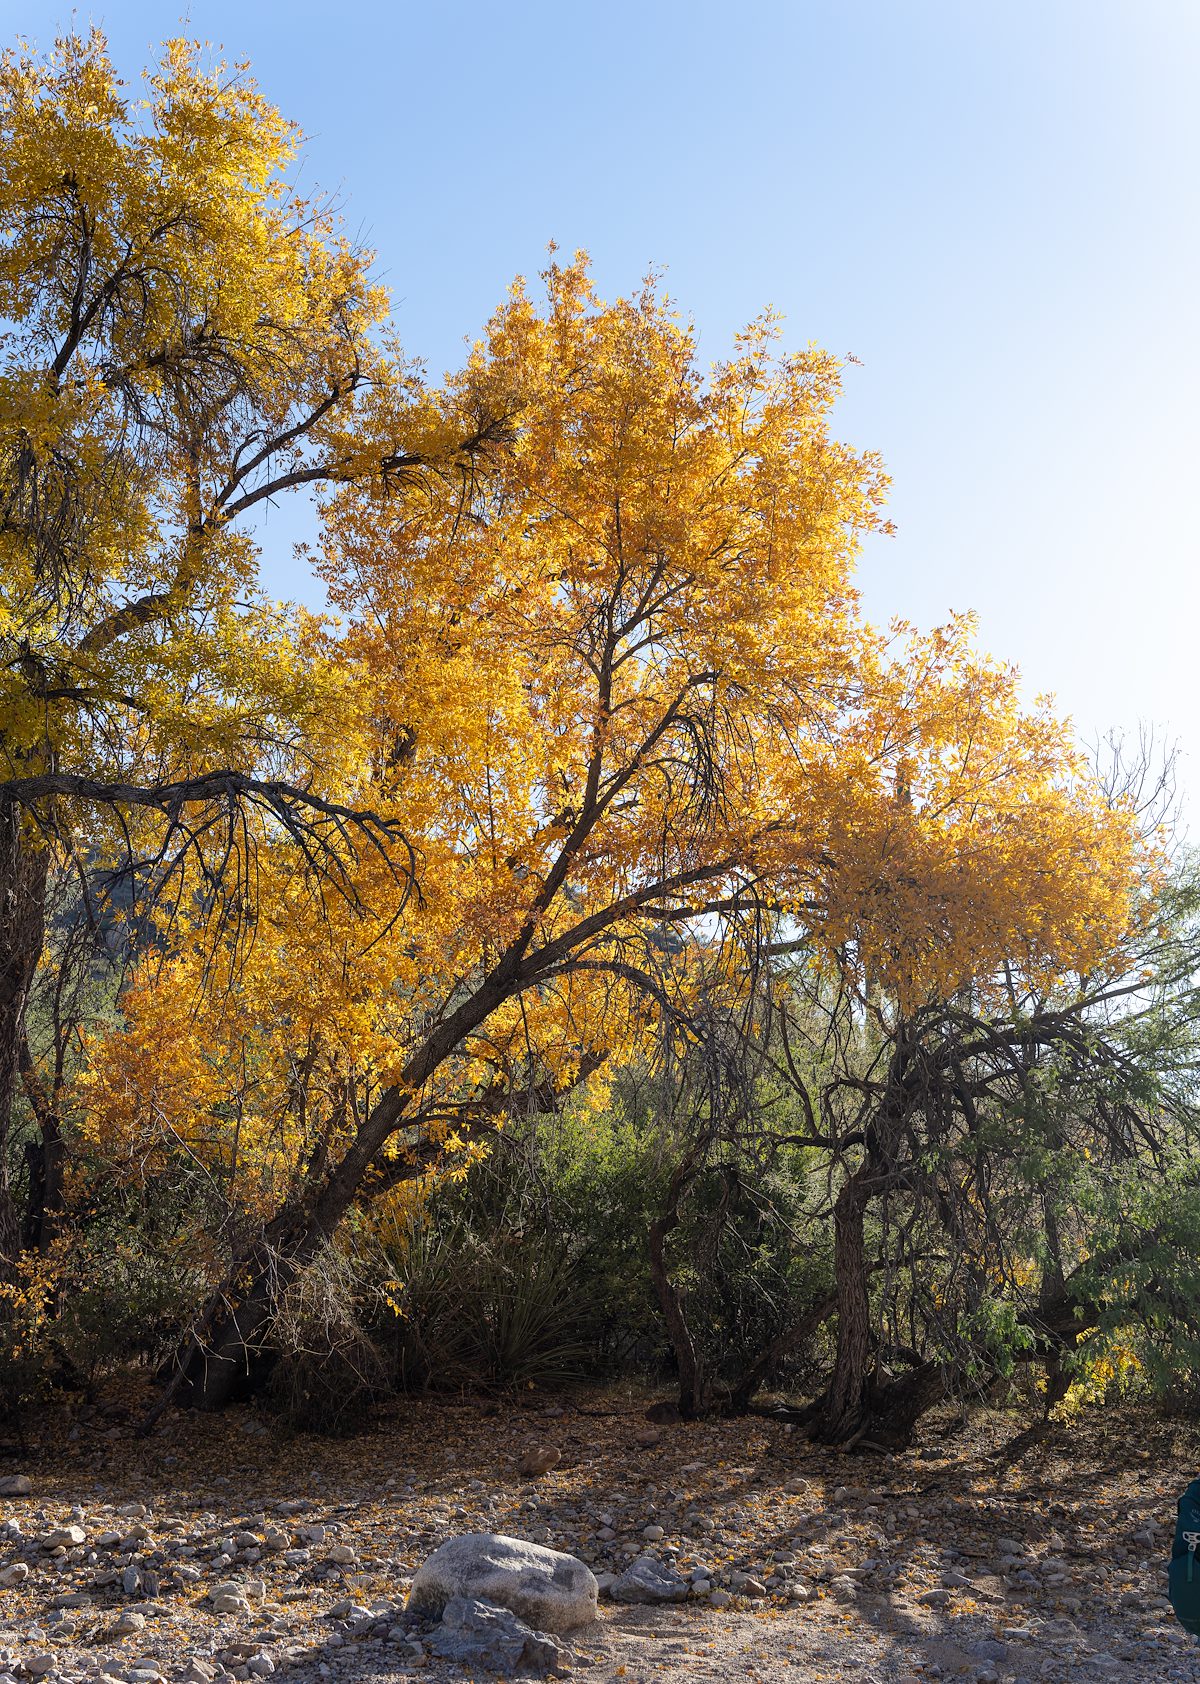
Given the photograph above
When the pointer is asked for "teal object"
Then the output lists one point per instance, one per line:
(1183, 1575)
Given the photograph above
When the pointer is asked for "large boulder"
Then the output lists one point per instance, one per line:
(474, 1633)
(553, 1591)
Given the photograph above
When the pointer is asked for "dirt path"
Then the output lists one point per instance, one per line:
(948, 1562)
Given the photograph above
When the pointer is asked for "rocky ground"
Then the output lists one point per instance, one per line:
(227, 1547)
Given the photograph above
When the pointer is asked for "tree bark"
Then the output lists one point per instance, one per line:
(24, 869)
(845, 1400)
(692, 1389)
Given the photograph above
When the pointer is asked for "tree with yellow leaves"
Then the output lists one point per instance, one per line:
(187, 340)
(627, 718)
(603, 727)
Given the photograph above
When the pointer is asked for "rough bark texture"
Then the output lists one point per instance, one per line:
(846, 1398)
(24, 867)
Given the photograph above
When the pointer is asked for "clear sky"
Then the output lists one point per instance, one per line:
(992, 203)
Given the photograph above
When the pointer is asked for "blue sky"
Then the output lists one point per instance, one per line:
(992, 203)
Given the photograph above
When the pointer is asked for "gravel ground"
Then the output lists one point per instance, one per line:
(226, 1548)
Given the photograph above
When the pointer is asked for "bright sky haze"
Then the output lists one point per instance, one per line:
(992, 204)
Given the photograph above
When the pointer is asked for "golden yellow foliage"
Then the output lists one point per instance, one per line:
(619, 698)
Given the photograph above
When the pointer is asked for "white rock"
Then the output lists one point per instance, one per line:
(64, 1537)
(229, 1598)
(552, 1590)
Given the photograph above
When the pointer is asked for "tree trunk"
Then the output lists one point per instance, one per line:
(693, 1400)
(45, 1160)
(24, 868)
(224, 1354)
(896, 1408)
(845, 1401)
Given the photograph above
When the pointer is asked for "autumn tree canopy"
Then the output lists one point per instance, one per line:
(601, 693)
(186, 339)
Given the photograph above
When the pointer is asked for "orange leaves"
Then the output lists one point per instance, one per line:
(604, 667)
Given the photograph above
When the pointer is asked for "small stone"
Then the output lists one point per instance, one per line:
(16, 1485)
(644, 1580)
(131, 1580)
(229, 1599)
(39, 1665)
(341, 1555)
(653, 1534)
(15, 1574)
(129, 1622)
(199, 1671)
(261, 1665)
(720, 1598)
(64, 1537)
(537, 1460)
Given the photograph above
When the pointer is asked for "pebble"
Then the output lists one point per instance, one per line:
(537, 1460)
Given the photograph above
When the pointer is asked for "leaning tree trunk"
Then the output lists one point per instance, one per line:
(24, 869)
(221, 1352)
(224, 1350)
